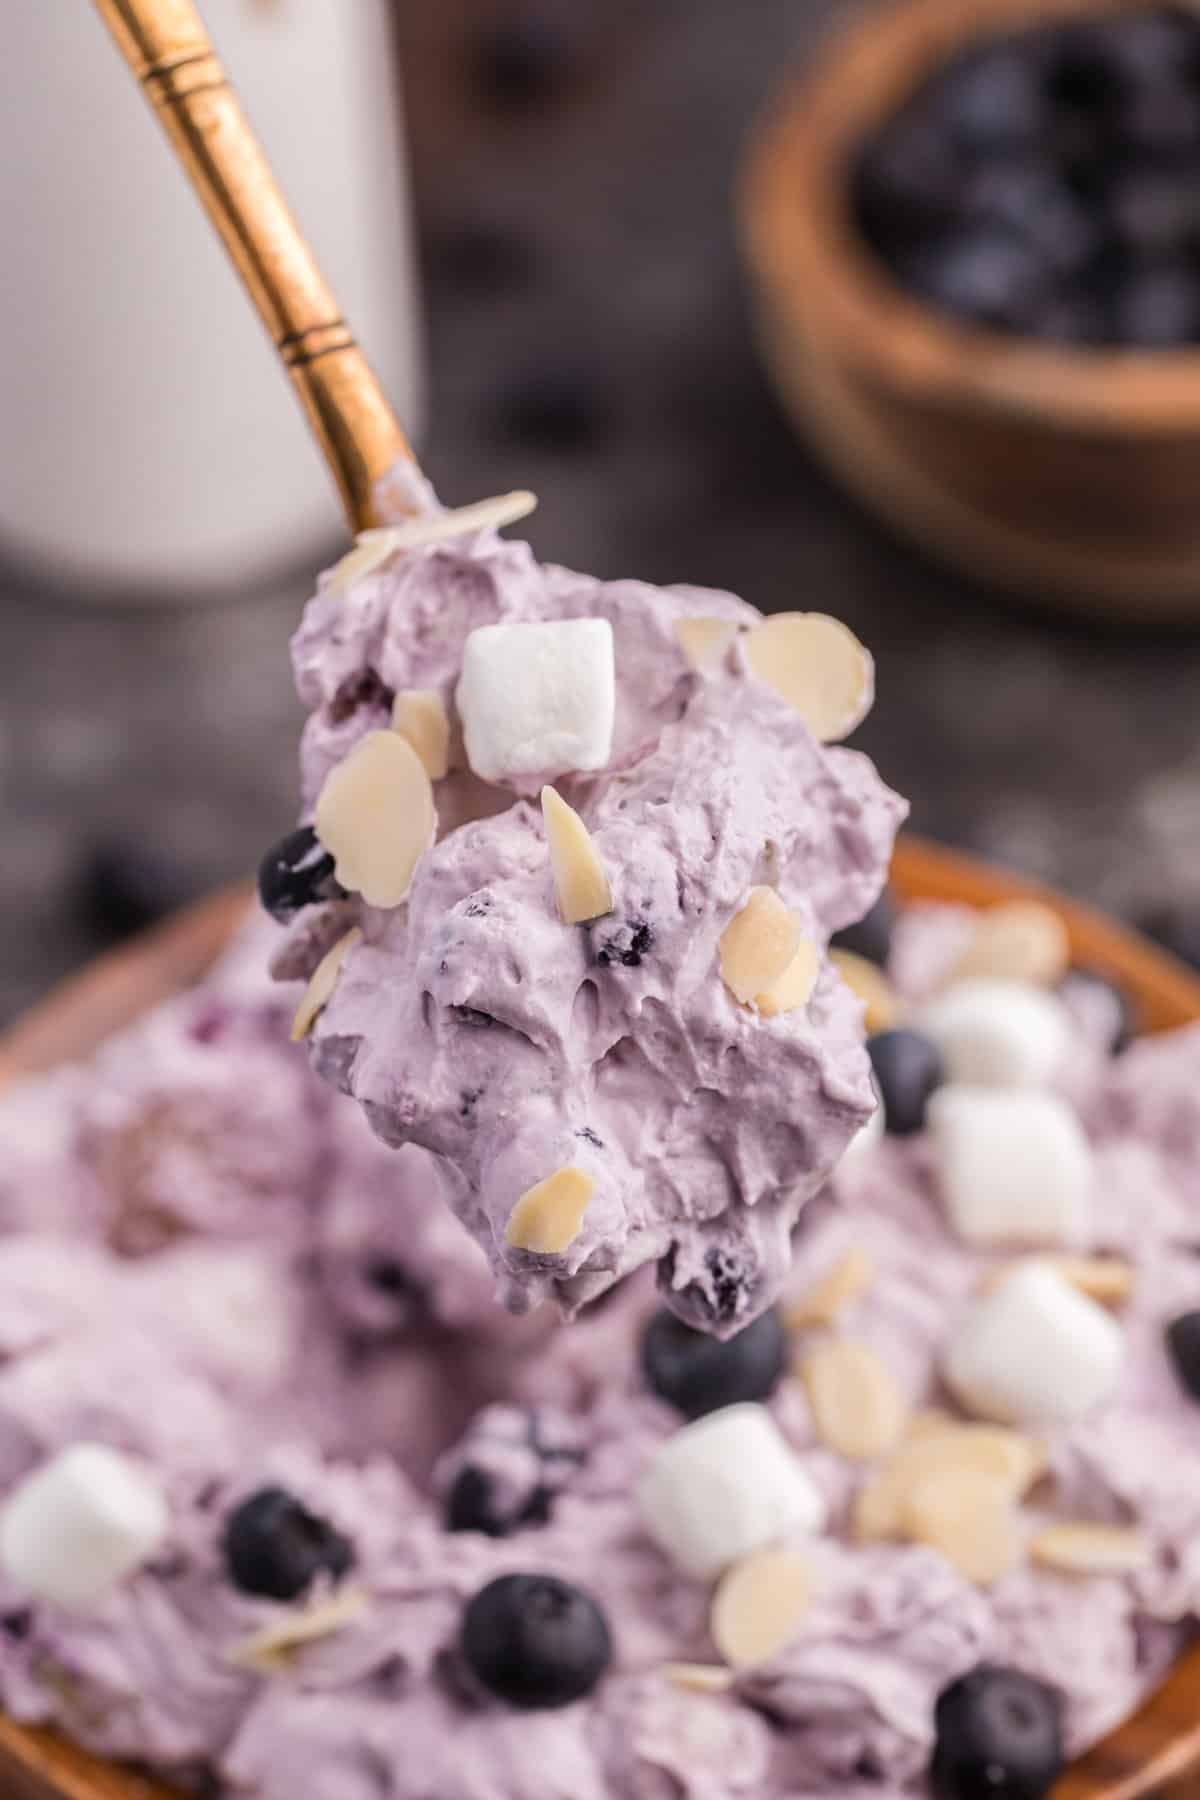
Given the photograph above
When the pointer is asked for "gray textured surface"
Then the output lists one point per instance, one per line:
(1075, 755)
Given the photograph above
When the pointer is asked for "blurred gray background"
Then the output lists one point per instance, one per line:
(589, 336)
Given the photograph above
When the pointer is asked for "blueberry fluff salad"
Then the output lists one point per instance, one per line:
(839, 1436)
(1043, 182)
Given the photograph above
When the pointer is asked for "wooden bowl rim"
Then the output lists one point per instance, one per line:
(804, 245)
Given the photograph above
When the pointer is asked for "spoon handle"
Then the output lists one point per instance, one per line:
(168, 51)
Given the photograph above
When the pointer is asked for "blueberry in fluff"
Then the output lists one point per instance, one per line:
(999, 1736)
(1183, 1347)
(275, 1547)
(535, 1641)
(698, 1374)
(908, 1069)
(295, 873)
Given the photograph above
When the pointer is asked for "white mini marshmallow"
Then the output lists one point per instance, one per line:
(724, 1486)
(1014, 1167)
(80, 1524)
(538, 699)
(997, 1033)
(1034, 1351)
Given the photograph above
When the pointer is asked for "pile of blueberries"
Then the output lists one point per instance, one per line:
(1048, 183)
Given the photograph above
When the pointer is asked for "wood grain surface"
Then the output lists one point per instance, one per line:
(1156, 1753)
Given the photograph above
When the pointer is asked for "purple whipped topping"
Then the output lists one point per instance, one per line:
(471, 1021)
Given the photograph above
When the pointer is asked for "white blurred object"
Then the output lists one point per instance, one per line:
(151, 439)
(80, 1524)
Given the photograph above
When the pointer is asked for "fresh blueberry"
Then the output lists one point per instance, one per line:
(535, 1641)
(697, 1374)
(1026, 197)
(999, 1736)
(1183, 1346)
(1099, 999)
(295, 873)
(1154, 211)
(985, 275)
(908, 1069)
(871, 936)
(993, 98)
(275, 1547)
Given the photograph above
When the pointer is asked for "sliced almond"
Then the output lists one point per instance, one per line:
(419, 714)
(698, 1678)
(373, 548)
(1019, 940)
(873, 988)
(794, 987)
(1085, 1549)
(934, 1450)
(376, 817)
(1109, 1280)
(759, 1606)
(275, 1648)
(857, 1408)
(705, 641)
(970, 1518)
(580, 882)
(847, 1281)
(547, 1218)
(758, 945)
(321, 984)
(818, 666)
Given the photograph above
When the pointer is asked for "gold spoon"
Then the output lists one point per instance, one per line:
(169, 53)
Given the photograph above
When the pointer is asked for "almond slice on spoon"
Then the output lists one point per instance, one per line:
(758, 945)
(321, 984)
(419, 714)
(705, 641)
(818, 666)
(376, 817)
(373, 548)
(580, 882)
(547, 1218)
(795, 986)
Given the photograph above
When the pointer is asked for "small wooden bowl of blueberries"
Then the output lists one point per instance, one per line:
(975, 231)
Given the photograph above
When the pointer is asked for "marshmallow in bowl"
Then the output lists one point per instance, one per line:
(994, 1033)
(1034, 1350)
(723, 1487)
(1013, 1167)
(80, 1524)
(537, 699)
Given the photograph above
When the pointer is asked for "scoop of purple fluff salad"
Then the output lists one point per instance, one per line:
(611, 1016)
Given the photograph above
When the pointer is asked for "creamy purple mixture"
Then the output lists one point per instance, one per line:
(211, 1265)
(472, 1021)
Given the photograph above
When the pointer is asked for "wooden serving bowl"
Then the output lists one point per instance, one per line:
(1069, 474)
(1157, 1752)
